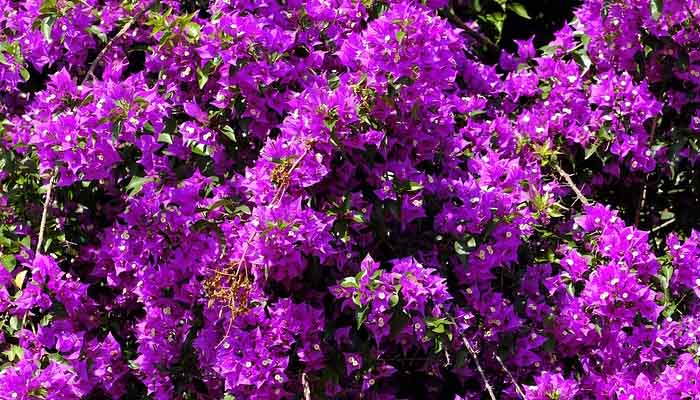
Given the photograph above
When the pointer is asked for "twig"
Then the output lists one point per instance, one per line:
(518, 389)
(305, 384)
(572, 185)
(282, 190)
(478, 37)
(276, 199)
(640, 204)
(643, 197)
(665, 224)
(122, 32)
(42, 225)
(478, 367)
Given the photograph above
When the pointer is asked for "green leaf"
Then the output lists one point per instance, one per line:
(95, 30)
(548, 50)
(670, 309)
(414, 186)
(242, 209)
(546, 88)
(501, 3)
(362, 316)
(496, 20)
(19, 278)
(476, 5)
(9, 261)
(657, 7)
(591, 150)
(582, 59)
(554, 212)
(46, 26)
(57, 358)
(46, 320)
(356, 299)
(376, 275)
(25, 74)
(330, 121)
(117, 129)
(476, 113)
(666, 215)
(394, 299)
(359, 218)
(519, 9)
(459, 249)
(165, 38)
(274, 57)
(201, 149)
(438, 325)
(665, 276)
(349, 282)
(604, 133)
(15, 352)
(165, 138)
(48, 7)
(585, 39)
(333, 81)
(14, 323)
(192, 30)
(229, 132)
(400, 35)
(136, 184)
(202, 77)
(471, 243)
(570, 289)
(598, 330)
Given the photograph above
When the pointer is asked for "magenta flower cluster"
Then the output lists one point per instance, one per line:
(341, 199)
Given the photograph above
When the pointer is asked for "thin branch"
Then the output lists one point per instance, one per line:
(478, 367)
(282, 190)
(122, 32)
(276, 199)
(305, 384)
(665, 224)
(640, 204)
(643, 196)
(518, 389)
(572, 185)
(491, 47)
(44, 213)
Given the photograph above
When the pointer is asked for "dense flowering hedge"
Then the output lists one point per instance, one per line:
(348, 199)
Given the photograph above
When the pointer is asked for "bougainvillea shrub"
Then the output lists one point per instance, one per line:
(342, 199)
